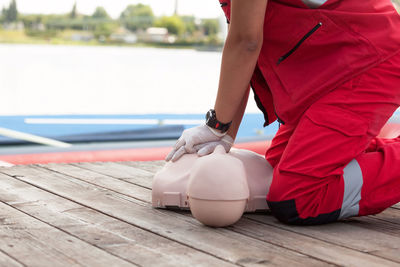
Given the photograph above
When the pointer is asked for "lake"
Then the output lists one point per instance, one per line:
(49, 80)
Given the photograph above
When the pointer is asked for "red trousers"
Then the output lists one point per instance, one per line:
(330, 165)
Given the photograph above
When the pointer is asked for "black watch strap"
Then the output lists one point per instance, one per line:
(211, 121)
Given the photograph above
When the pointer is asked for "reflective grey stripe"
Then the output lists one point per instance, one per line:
(353, 181)
(314, 3)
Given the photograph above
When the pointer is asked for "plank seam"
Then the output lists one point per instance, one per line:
(87, 169)
(10, 256)
(137, 167)
(62, 173)
(386, 220)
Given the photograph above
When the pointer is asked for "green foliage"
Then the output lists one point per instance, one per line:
(190, 24)
(136, 17)
(210, 26)
(104, 30)
(213, 40)
(174, 24)
(11, 13)
(100, 13)
(31, 20)
(56, 22)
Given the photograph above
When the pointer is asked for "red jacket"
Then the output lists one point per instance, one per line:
(308, 52)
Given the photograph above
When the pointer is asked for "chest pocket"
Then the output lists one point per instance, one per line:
(309, 53)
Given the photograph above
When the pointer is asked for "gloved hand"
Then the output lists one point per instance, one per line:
(191, 137)
(208, 148)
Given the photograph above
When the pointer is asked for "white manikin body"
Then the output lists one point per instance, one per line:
(221, 183)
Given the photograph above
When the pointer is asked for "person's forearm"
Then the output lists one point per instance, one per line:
(233, 129)
(238, 62)
(239, 58)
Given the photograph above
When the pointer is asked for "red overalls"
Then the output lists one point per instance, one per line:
(332, 76)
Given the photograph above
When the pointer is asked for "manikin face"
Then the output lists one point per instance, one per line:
(219, 186)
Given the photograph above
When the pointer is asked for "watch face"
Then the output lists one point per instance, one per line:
(208, 114)
(210, 119)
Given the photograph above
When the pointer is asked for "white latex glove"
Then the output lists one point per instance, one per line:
(191, 137)
(208, 148)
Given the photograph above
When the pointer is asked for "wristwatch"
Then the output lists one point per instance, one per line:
(211, 121)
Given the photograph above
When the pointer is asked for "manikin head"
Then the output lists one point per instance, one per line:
(218, 191)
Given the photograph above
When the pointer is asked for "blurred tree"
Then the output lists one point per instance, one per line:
(190, 24)
(210, 26)
(31, 20)
(104, 30)
(100, 13)
(11, 14)
(138, 16)
(174, 24)
(3, 14)
(73, 13)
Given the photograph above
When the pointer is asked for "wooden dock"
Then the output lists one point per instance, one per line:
(99, 214)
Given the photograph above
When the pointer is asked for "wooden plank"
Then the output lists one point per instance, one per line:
(150, 166)
(114, 236)
(127, 173)
(101, 180)
(347, 234)
(6, 260)
(35, 243)
(390, 215)
(222, 243)
(396, 206)
(115, 172)
(386, 222)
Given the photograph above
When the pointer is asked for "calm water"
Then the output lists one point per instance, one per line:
(44, 80)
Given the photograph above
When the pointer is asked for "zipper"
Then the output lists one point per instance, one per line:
(279, 119)
(305, 37)
(260, 105)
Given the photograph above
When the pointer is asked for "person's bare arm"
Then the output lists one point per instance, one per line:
(237, 119)
(239, 57)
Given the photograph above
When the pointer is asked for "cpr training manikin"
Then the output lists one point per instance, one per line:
(220, 187)
(217, 188)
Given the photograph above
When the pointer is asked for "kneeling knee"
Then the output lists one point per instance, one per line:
(285, 211)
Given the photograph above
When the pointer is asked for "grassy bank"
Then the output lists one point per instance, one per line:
(64, 38)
